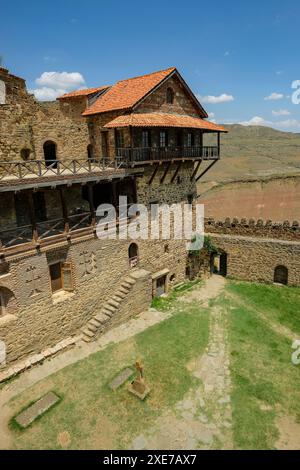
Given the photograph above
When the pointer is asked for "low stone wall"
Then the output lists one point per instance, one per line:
(255, 259)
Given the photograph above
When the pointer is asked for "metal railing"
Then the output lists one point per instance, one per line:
(140, 154)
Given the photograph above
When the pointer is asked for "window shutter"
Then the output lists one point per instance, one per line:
(67, 276)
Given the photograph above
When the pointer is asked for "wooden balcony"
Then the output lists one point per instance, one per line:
(18, 174)
(127, 156)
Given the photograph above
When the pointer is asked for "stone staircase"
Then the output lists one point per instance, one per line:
(109, 309)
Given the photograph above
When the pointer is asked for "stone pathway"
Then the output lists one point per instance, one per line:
(203, 418)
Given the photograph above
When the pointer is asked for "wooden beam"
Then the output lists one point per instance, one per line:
(162, 179)
(31, 212)
(64, 209)
(206, 170)
(219, 143)
(196, 170)
(153, 174)
(91, 204)
(176, 172)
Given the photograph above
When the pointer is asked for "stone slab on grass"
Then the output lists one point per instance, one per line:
(26, 417)
(121, 378)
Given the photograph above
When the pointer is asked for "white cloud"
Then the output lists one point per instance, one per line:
(290, 125)
(63, 80)
(211, 115)
(274, 97)
(281, 112)
(255, 121)
(224, 98)
(54, 84)
(47, 94)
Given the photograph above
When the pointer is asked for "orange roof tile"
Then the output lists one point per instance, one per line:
(163, 120)
(85, 92)
(126, 93)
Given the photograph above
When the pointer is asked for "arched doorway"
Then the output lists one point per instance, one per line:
(90, 152)
(218, 263)
(50, 153)
(133, 255)
(281, 275)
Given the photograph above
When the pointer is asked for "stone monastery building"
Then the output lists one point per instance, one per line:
(145, 138)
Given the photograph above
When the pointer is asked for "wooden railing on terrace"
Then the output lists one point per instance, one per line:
(17, 170)
(140, 154)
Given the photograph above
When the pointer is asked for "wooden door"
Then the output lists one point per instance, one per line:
(56, 277)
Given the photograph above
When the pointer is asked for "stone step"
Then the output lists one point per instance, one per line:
(121, 294)
(109, 307)
(89, 333)
(86, 339)
(108, 313)
(92, 327)
(94, 322)
(126, 285)
(118, 297)
(124, 290)
(129, 280)
(113, 303)
(101, 317)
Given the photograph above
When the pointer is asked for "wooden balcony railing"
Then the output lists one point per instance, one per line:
(19, 170)
(139, 154)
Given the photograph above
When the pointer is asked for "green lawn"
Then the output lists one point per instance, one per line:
(264, 383)
(95, 416)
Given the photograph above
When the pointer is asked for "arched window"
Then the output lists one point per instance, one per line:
(50, 153)
(90, 152)
(170, 96)
(281, 275)
(133, 254)
(25, 154)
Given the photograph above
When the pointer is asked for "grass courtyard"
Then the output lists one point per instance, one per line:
(256, 322)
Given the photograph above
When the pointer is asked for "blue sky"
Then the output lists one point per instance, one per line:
(233, 54)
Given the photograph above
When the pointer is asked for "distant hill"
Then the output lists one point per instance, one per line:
(255, 152)
(258, 176)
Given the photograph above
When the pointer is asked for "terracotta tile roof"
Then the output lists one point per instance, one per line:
(126, 93)
(163, 120)
(85, 92)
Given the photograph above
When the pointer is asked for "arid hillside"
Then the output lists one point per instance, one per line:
(258, 176)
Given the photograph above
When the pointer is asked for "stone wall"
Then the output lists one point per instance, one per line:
(255, 259)
(169, 192)
(26, 123)
(36, 318)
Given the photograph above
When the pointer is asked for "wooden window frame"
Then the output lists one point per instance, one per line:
(65, 267)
